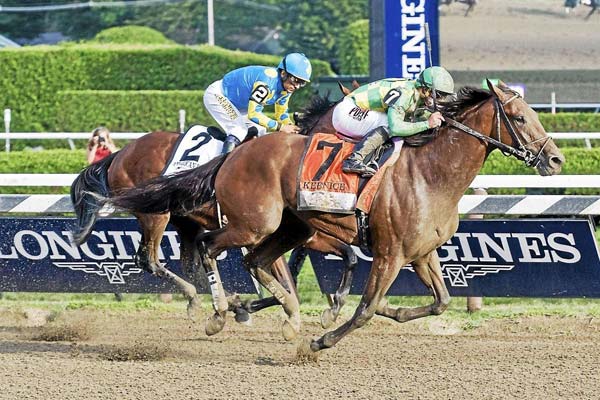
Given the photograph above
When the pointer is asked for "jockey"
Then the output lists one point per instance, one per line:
(236, 102)
(378, 110)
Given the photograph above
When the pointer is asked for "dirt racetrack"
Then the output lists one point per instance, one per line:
(519, 35)
(521, 358)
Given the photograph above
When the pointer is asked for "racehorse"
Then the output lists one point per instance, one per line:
(415, 209)
(145, 158)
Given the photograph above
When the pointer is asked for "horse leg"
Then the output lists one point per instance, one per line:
(153, 227)
(216, 322)
(294, 265)
(285, 276)
(383, 272)
(428, 269)
(291, 232)
(191, 261)
(328, 244)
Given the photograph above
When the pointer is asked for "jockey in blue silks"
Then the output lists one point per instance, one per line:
(237, 101)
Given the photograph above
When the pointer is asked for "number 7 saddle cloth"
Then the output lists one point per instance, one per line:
(323, 186)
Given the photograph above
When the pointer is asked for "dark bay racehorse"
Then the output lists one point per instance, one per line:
(414, 211)
(144, 159)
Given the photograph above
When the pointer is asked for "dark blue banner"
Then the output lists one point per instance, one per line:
(36, 255)
(405, 45)
(518, 258)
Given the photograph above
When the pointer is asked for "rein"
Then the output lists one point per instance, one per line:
(520, 152)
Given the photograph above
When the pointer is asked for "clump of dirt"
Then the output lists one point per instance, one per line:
(64, 332)
(304, 355)
(136, 352)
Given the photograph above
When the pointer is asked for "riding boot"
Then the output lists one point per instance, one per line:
(229, 144)
(355, 163)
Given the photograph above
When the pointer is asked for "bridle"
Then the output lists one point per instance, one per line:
(520, 151)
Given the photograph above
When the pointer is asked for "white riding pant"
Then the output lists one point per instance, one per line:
(226, 114)
(355, 122)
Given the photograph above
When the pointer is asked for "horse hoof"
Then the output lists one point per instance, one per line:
(289, 332)
(192, 307)
(214, 325)
(327, 318)
(315, 346)
(242, 317)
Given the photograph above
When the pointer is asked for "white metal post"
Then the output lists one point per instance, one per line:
(181, 121)
(7, 128)
(553, 102)
(211, 22)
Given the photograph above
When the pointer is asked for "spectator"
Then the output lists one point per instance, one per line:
(100, 145)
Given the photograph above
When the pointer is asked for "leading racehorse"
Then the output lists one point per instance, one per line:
(415, 209)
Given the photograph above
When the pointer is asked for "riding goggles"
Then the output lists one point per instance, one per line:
(296, 81)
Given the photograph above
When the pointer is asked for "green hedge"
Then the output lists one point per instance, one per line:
(37, 75)
(578, 162)
(570, 122)
(131, 111)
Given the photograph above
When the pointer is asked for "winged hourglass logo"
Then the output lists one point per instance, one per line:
(113, 271)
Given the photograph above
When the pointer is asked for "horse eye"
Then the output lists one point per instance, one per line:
(520, 119)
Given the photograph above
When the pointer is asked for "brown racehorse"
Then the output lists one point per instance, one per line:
(145, 158)
(414, 211)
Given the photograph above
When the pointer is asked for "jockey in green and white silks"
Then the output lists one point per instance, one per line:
(237, 101)
(378, 110)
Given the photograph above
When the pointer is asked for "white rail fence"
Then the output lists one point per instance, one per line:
(70, 136)
(469, 204)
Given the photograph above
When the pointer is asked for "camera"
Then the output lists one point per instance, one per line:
(101, 139)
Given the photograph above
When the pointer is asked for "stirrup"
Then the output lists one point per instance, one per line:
(357, 167)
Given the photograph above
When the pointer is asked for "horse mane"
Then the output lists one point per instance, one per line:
(309, 116)
(466, 97)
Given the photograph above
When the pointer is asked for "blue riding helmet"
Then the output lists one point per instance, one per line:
(296, 64)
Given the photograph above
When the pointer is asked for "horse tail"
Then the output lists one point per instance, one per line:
(86, 189)
(181, 193)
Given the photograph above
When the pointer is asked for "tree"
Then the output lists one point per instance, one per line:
(314, 26)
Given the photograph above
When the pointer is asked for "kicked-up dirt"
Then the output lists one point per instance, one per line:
(159, 354)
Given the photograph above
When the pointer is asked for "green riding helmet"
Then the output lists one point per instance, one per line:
(436, 78)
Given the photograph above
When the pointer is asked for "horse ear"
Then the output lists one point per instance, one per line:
(490, 85)
(355, 84)
(344, 89)
(493, 89)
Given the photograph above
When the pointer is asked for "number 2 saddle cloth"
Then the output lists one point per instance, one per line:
(323, 186)
(197, 146)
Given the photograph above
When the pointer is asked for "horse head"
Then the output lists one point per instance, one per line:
(517, 125)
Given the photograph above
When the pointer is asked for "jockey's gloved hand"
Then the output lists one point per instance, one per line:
(229, 144)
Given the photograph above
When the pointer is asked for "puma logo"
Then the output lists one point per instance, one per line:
(358, 113)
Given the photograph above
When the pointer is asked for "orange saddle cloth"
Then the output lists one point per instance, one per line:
(323, 186)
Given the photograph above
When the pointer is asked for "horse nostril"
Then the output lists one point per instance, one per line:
(557, 161)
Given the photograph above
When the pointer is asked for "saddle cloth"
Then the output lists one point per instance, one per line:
(323, 186)
(193, 148)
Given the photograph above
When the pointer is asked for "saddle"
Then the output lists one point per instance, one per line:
(323, 186)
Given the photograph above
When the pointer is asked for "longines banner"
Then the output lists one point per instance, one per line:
(405, 45)
(538, 258)
(519, 258)
(36, 255)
